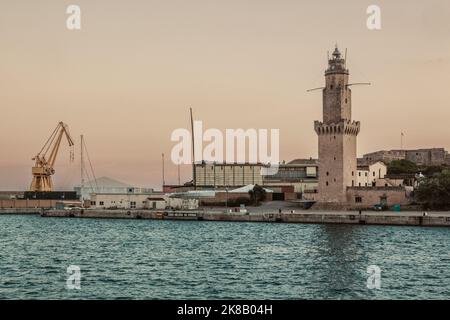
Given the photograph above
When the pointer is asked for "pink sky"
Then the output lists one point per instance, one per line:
(127, 78)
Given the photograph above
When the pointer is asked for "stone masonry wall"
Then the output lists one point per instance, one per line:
(372, 195)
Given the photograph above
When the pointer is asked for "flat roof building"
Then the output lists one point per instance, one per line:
(301, 174)
(224, 175)
(109, 185)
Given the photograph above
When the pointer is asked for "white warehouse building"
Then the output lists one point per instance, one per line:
(152, 201)
(108, 185)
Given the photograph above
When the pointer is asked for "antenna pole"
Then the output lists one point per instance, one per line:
(359, 84)
(163, 178)
(309, 90)
(401, 140)
(194, 175)
(345, 59)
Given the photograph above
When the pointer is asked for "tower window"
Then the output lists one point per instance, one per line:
(331, 86)
(328, 173)
(346, 100)
(326, 183)
(358, 199)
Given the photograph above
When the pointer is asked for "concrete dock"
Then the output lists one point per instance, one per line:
(432, 219)
(21, 211)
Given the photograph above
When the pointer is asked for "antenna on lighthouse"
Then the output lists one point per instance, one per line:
(314, 89)
(345, 59)
(359, 84)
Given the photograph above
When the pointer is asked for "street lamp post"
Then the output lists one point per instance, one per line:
(226, 199)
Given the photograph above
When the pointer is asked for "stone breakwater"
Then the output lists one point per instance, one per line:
(433, 219)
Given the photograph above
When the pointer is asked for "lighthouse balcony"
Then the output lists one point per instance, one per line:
(342, 127)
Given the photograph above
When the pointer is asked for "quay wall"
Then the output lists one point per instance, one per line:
(27, 203)
(21, 211)
(372, 218)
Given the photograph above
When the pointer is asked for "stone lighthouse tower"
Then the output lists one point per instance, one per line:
(337, 134)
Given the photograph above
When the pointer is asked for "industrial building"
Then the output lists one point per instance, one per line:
(37, 199)
(156, 201)
(299, 174)
(226, 175)
(106, 185)
(7, 195)
(290, 181)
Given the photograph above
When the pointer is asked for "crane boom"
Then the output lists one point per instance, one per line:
(43, 169)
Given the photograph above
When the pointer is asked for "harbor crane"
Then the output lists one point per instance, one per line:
(44, 167)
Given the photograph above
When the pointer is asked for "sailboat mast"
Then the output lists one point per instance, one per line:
(82, 170)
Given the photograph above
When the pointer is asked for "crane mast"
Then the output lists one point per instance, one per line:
(44, 166)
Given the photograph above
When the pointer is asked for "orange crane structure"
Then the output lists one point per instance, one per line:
(43, 168)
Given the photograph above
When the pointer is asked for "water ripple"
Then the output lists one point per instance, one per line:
(141, 259)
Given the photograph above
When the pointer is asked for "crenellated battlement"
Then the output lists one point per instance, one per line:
(343, 127)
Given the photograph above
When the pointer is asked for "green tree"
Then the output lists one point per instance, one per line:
(434, 191)
(402, 166)
(431, 170)
(257, 194)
